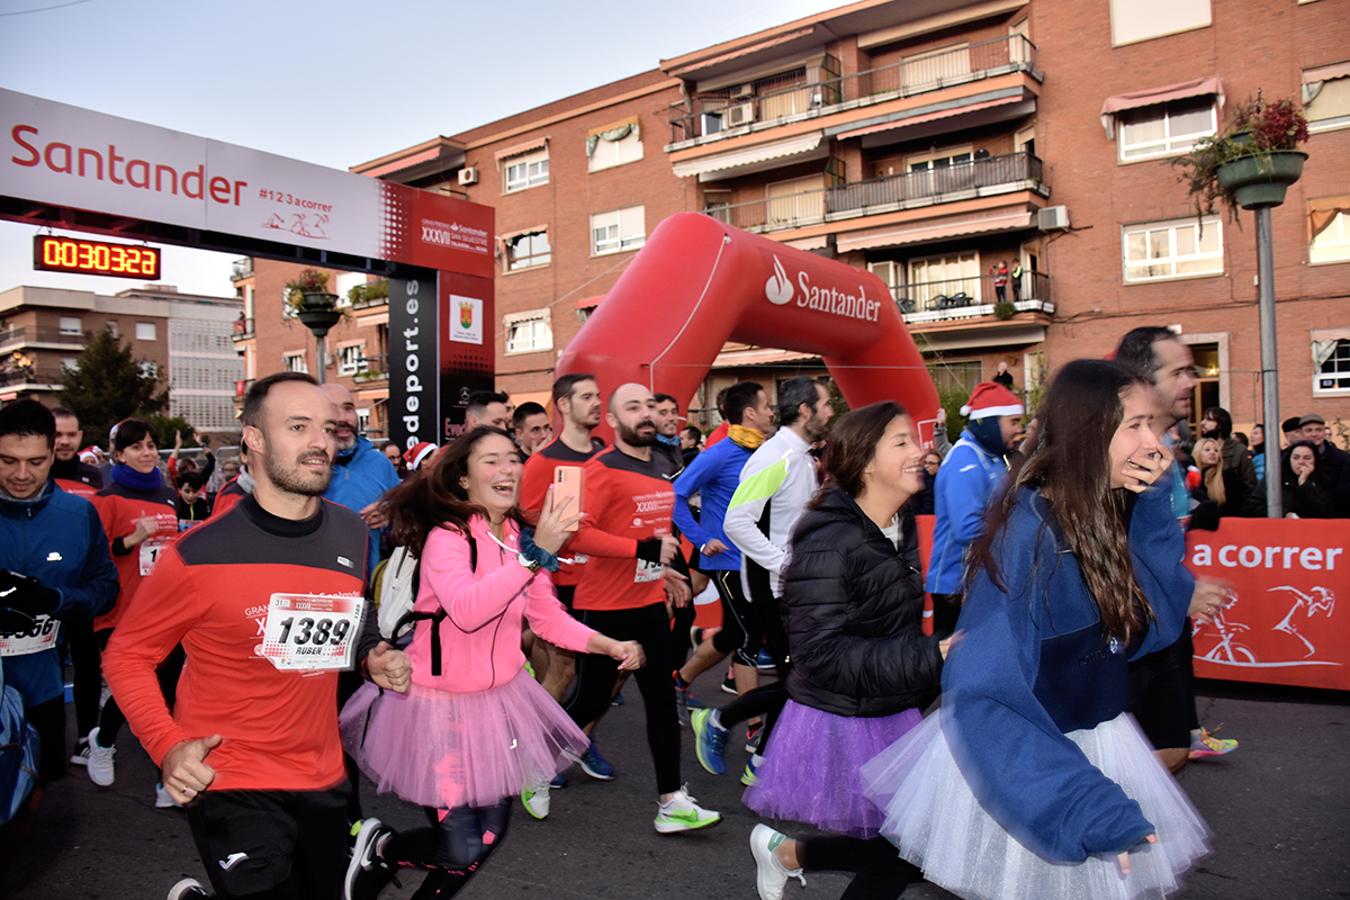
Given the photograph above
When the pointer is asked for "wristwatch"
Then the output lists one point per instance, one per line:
(531, 564)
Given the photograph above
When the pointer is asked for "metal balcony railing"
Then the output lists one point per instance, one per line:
(713, 114)
(241, 268)
(973, 296)
(30, 375)
(877, 194)
(374, 369)
(21, 335)
(243, 329)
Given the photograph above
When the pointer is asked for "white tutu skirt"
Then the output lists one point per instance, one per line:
(937, 823)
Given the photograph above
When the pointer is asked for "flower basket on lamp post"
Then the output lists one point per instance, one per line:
(1260, 180)
(316, 308)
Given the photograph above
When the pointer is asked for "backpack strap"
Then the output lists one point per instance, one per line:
(437, 617)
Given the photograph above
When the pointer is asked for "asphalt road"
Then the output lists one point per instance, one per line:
(1279, 808)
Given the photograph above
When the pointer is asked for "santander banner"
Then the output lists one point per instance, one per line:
(63, 155)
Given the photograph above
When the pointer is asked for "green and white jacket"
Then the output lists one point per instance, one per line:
(776, 483)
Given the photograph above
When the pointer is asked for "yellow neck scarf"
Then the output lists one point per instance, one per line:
(748, 438)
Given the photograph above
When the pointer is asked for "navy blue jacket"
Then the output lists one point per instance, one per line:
(1031, 663)
(56, 538)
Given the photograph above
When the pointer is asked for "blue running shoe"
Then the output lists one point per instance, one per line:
(751, 773)
(710, 741)
(618, 699)
(593, 764)
(764, 662)
(559, 781)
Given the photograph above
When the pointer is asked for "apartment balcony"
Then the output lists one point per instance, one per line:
(241, 269)
(369, 296)
(242, 329)
(952, 300)
(977, 178)
(21, 336)
(241, 387)
(33, 378)
(726, 114)
(374, 371)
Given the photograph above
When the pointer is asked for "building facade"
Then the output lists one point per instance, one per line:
(1004, 166)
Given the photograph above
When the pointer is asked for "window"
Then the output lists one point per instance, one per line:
(943, 282)
(527, 171)
(1168, 129)
(527, 250)
(295, 362)
(1333, 369)
(1177, 249)
(70, 363)
(717, 203)
(935, 66)
(362, 419)
(622, 229)
(1330, 231)
(607, 152)
(958, 377)
(795, 202)
(145, 331)
(351, 359)
(939, 159)
(529, 332)
(149, 369)
(1140, 20)
(1326, 97)
(112, 328)
(71, 325)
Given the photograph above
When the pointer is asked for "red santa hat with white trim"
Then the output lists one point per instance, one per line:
(990, 399)
(418, 452)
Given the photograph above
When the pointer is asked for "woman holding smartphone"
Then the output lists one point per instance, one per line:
(1031, 780)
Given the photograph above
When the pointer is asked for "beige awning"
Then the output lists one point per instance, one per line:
(1182, 90)
(819, 242)
(749, 156)
(925, 230)
(929, 117)
(521, 149)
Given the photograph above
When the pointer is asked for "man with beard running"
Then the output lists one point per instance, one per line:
(267, 601)
(626, 533)
(361, 473)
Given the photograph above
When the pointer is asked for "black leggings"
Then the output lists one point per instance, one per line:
(682, 619)
(453, 847)
(766, 700)
(740, 633)
(87, 662)
(880, 872)
(590, 700)
(111, 720)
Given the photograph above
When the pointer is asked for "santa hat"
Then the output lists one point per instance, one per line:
(90, 454)
(417, 453)
(990, 399)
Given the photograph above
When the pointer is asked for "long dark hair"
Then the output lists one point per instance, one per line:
(853, 443)
(432, 496)
(1071, 464)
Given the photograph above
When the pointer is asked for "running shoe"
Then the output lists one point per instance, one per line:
(771, 876)
(764, 662)
(682, 813)
(729, 686)
(536, 801)
(1207, 745)
(367, 872)
(187, 889)
(100, 766)
(710, 741)
(559, 781)
(618, 699)
(163, 799)
(754, 737)
(592, 763)
(80, 755)
(682, 703)
(751, 773)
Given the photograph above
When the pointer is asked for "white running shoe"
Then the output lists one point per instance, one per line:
(187, 889)
(536, 801)
(163, 799)
(80, 755)
(100, 766)
(683, 813)
(771, 876)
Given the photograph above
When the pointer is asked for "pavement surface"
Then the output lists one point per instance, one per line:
(1279, 808)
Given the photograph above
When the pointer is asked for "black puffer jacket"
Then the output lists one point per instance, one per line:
(853, 607)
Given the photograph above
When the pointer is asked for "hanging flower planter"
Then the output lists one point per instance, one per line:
(1258, 181)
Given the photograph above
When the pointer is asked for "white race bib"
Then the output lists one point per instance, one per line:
(151, 548)
(311, 631)
(648, 571)
(39, 636)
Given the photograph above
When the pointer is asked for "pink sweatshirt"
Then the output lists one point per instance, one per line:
(480, 636)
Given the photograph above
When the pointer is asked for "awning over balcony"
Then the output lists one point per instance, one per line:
(590, 302)
(819, 242)
(736, 355)
(1182, 90)
(926, 230)
(522, 148)
(923, 115)
(725, 165)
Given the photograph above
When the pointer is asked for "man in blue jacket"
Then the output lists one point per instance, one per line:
(970, 477)
(54, 568)
(361, 473)
(714, 475)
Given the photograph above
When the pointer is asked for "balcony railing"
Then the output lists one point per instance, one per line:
(883, 194)
(241, 268)
(375, 369)
(30, 375)
(715, 114)
(931, 301)
(241, 387)
(22, 335)
(243, 329)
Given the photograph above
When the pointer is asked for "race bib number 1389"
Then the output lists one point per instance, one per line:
(311, 631)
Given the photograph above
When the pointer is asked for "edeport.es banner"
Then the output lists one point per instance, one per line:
(1283, 626)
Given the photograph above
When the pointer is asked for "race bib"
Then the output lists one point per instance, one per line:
(151, 548)
(311, 631)
(39, 636)
(648, 571)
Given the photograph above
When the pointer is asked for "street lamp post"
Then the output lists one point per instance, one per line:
(1270, 380)
(319, 313)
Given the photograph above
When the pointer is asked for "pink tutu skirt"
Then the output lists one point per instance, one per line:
(439, 749)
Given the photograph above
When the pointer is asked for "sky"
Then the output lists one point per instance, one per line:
(330, 82)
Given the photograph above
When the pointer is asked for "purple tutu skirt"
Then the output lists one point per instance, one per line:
(439, 749)
(810, 771)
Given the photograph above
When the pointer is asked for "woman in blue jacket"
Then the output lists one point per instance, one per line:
(1031, 780)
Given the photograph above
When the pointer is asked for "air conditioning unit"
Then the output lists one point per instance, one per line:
(468, 175)
(1052, 218)
(736, 116)
(742, 92)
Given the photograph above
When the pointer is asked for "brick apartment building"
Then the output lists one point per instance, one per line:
(927, 142)
(182, 338)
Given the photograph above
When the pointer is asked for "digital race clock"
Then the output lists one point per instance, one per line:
(63, 254)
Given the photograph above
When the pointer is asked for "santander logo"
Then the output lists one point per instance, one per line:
(780, 291)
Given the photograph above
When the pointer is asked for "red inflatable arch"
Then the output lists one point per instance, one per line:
(699, 283)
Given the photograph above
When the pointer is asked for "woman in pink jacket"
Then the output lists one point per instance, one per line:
(474, 728)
